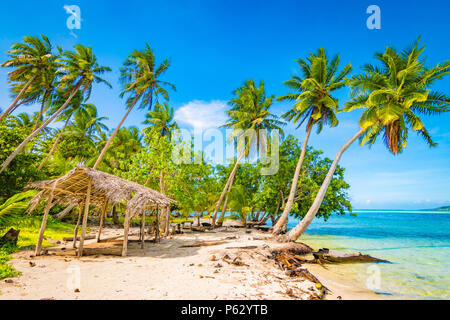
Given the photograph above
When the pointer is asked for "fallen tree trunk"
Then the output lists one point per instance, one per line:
(78, 238)
(203, 244)
(332, 256)
(63, 213)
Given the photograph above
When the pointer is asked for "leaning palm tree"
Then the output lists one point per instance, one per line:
(393, 97)
(248, 116)
(314, 104)
(80, 69)
(85, 115)
(140, 79)
(31, 61)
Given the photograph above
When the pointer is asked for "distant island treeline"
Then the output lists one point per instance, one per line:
(446, 208)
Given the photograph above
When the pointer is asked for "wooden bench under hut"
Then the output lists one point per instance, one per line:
(84, 187)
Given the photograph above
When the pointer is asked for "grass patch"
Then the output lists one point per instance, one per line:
(6, 270)
(29, 231)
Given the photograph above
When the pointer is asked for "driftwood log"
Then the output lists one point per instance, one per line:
(333, 256)
(90, 237)
(10, 237)
(203, 244)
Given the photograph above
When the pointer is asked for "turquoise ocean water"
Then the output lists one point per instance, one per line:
(416, 242)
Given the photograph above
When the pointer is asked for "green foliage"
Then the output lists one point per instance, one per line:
(267, 194)
(13, 208)
(6, 270)
(22, 168)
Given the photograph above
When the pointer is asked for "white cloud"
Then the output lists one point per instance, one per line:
(202, 115)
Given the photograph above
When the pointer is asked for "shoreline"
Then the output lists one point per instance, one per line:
(175, 268)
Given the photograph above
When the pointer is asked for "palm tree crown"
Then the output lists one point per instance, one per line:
(250, 111)
(140, 78)
(395, 94)
(33, 57)
(161, 119)
(34, 67)
(80, 68)
(313, 90)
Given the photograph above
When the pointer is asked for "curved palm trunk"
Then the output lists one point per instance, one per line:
(35, 132)
(301, 227)
(108, 143)
(284, 217)
(224, 208)
(165, 212)
(11, 107)
(230, 178)
(63, 213)
(52, 149)
(41, 111)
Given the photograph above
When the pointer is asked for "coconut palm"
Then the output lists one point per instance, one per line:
(33, 62)
(86, 121)
(80, 70)
(393, 96)
(140, 80)
(248, 115)
(127, 141)
(161, 120)
(314, 104)
(24, 120)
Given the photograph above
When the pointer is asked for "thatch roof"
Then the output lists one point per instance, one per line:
(72, 188)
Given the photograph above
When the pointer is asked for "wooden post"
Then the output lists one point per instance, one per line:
(167, 221)
(157, 225)
(102, 218)
(75, 232)
(143, 229)
(44, 223)
(126, 226)
(85, 218)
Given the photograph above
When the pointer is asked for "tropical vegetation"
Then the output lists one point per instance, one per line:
(393, 95)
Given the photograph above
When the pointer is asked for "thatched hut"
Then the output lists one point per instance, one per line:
(84, 186)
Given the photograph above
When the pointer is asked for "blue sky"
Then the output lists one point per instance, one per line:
(214, 46)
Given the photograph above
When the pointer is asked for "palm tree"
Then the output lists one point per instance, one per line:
(80, 69)
(140, 79)
(161, 120)
(32, 62)
(86, 121)
(248, 115)
(24, 120)
(393, 96)
(127, 142)
(314, 105)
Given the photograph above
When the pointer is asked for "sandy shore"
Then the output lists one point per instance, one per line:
(167, 270)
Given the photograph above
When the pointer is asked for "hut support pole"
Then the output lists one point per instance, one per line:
(43, 224)
(75, 232)
(126, 227)
(157, 225)
(102, 219)
(143, 229)
(166, 220)
(85, 218)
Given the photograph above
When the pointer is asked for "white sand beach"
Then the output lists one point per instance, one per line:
(167, 270)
